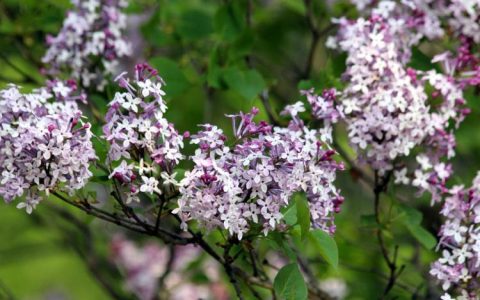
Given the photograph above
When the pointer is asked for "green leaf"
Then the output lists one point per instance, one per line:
(289, 283)
(247, 83)
(295, 5)
(279, 239)
(326, 245)
(195, 25)
(290, 215)
(303, 214)
(423, 236)
(229, 21)
(411, 215)
(176, 82)
(412, 219)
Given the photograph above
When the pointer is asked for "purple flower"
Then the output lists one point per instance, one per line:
(234, 187)
(90, 43)
(44, 144)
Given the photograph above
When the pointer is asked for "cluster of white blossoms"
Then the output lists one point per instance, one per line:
(458, 269)
(407, 22)
(44, 145)
(248, 183)
(140, 137)
(90, 43)
(385, 104)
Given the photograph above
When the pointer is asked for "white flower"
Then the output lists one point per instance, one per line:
(150, 185)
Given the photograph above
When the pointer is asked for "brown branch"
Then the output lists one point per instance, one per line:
(380, 184)
(113, 218)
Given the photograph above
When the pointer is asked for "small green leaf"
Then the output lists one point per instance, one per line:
(326, 245)
(290, 215)
(412, 219)
(279, 239)
(295, 5)
(422, 235)
(247, 83)
(229, 21)
(303, 214)
(412, 215)
(289, 283)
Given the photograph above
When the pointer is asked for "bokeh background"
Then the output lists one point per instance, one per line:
(218, 57)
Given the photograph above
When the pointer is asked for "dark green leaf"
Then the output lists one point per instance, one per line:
(229, 21)
(326, 246)
(290, 215)
(303, 214)
(423, 236)
(289, 283)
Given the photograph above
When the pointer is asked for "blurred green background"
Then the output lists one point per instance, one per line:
(218, 57)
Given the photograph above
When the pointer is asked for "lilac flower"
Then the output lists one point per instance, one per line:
(458, 269)
(234, 187)
(146, 144)
(44, 144)
(90, 43)
(385, 104)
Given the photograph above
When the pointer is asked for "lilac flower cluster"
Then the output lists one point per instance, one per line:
(458, 269)
(385, 104)
(90, 42)
(234, 187)
(44, 144)
(140, 137)
(400, 25)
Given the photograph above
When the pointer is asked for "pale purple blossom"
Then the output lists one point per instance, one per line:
(233, 186)
(147, 146)
(458, 270)
(44, 144)
(90, 43)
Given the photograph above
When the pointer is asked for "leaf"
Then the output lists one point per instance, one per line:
(412, 219)
(176, 82)
(247, 83)
(229, 21)
(289, 283)
(303, 214)
(326, 245)
(423, 236)
(290, 215)
(279, 239)
(295, 5)
(195, 25)
(411, 215)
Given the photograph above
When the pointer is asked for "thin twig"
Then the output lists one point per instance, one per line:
(380, 184)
